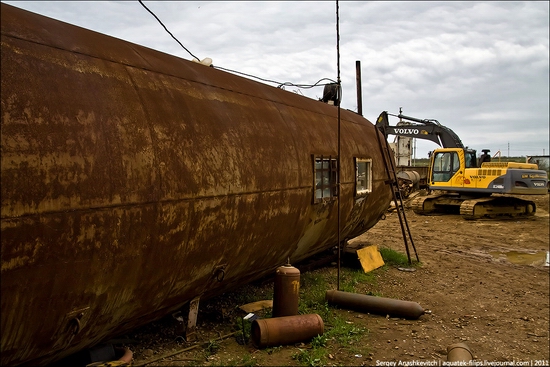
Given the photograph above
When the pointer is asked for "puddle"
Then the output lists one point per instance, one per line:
(524, 258)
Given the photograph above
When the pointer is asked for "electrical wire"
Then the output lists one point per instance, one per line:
(166, 29)
(307, 86)
(241, 73)
(279, 84)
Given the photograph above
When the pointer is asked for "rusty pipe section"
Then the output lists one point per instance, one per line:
(133, 181)
(286, 330)
(459, 352)
(359, 87)
(377, 305)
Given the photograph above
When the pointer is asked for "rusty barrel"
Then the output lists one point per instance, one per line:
(376, 305)
(459, 352)
(286, 291)
(286, 330)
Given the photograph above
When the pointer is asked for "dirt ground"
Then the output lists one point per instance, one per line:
(485, 283)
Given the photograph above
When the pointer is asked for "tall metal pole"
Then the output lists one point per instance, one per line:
(339, 147)
(358, 83)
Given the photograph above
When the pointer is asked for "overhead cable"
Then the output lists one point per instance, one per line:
(279, 84)
(166, 29)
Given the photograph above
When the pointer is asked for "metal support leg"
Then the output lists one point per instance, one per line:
(192, 319)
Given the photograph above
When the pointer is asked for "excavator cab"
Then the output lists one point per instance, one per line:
(450, 164)
(454, 169)
(444, 165)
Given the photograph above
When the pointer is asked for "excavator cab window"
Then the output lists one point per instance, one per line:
(470, 158)
(446, 164)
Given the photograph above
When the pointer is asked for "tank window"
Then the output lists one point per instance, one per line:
(325, 175)
(363, 176)
(446, 164)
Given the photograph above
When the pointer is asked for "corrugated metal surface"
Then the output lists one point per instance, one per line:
(130, 177)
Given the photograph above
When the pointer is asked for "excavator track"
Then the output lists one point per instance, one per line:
(417, 205)
(498, 206)
(474, 208)
(436, 203)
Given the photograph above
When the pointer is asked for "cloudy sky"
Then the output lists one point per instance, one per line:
(479, 68)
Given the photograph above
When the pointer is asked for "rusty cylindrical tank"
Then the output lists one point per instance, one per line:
(377, 305)
(286, 330)
(134, 181)
(459, 352)
(412, 176)
(286, 291)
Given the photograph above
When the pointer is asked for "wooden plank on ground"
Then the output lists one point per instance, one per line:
(257, 306)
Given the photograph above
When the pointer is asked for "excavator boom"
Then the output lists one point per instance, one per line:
(422, 129)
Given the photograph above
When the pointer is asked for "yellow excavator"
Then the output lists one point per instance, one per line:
(459, 183)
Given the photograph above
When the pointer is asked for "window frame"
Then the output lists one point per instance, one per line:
(330, 172)
(444, 174)
(368, 176)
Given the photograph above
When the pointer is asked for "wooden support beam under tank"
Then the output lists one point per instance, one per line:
(192, 319)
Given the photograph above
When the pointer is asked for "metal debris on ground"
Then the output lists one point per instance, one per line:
(407, 269)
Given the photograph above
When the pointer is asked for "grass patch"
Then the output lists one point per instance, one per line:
(396, 258)
(351, 279)
(212, 347)
(343, 331)
(272, 350)
(311, 357)
(312, 289)
(246, 360)
(338, 331)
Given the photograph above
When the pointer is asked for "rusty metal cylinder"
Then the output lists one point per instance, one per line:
(412, 176)
(459, 352)
(286, 330)
(376, 305)
(286, 292)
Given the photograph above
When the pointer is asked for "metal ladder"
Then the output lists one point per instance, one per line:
(389, 165)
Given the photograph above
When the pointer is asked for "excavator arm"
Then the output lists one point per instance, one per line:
(421, 129)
